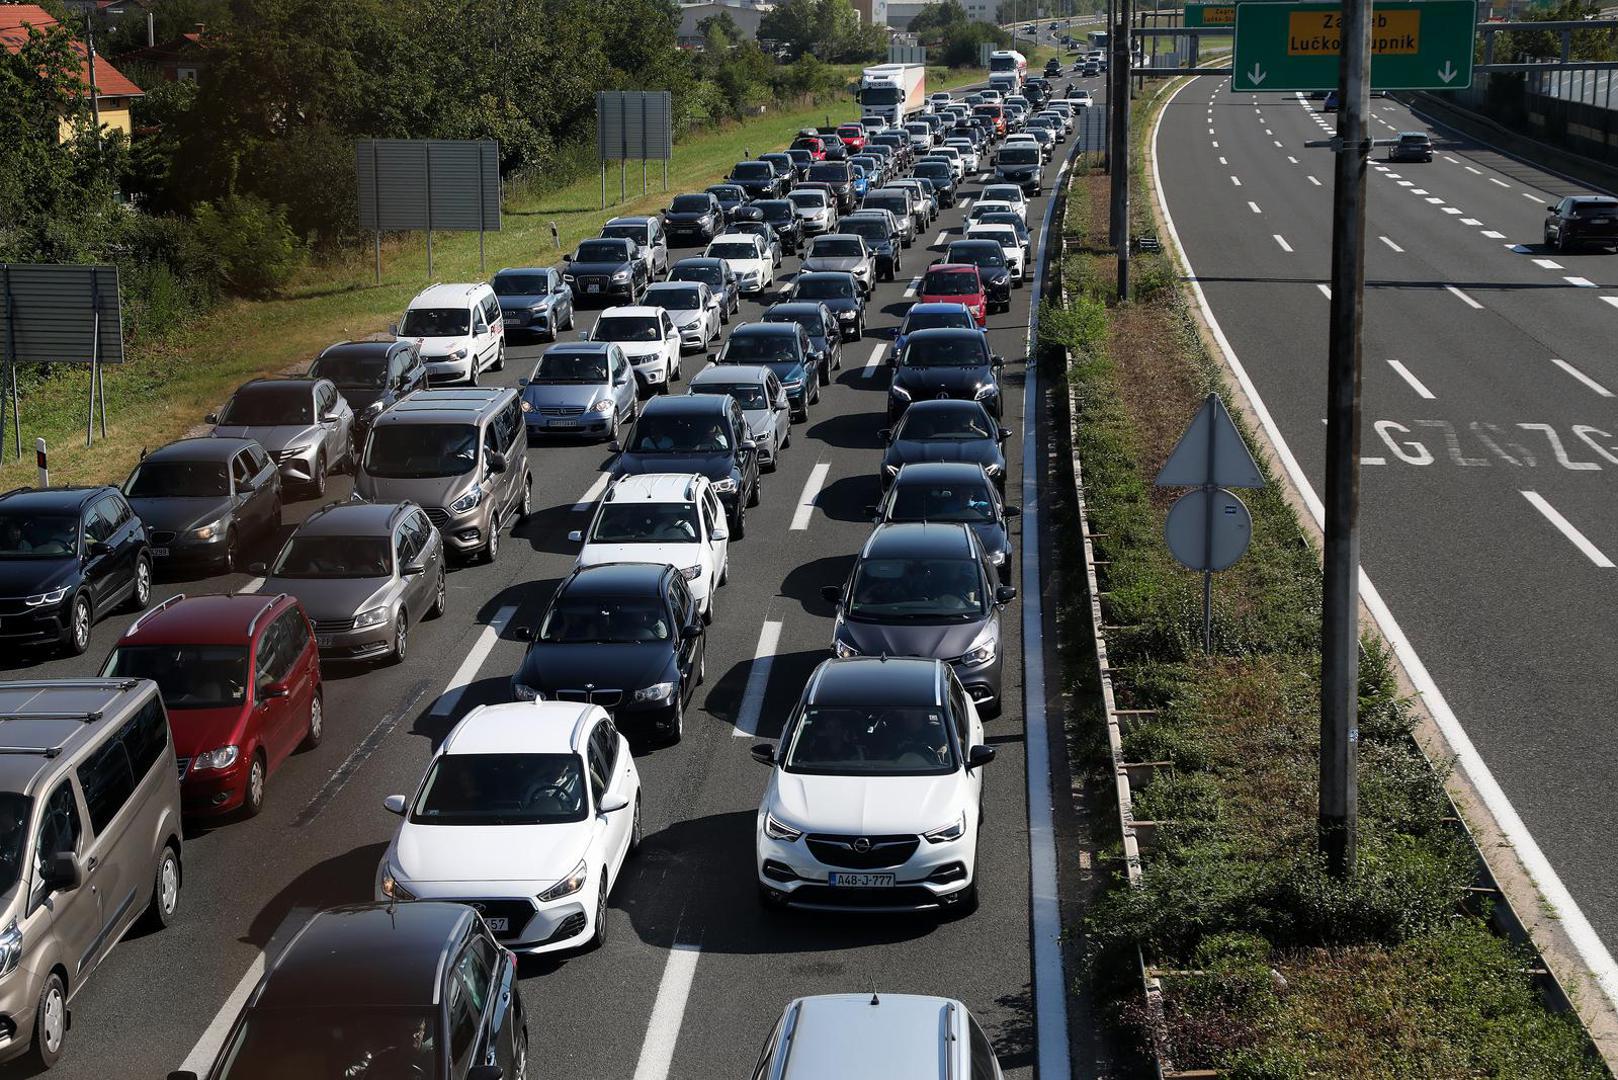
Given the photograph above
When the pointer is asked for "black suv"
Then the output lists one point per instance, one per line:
(838, 176)
(945, 362)
(371, 375)
(842, 296)
(942, 177)
(699, 433)
(206, 502)
(782, 216)
(1582, 219)
(693, 218)
(68, 556)
(627, 636)
(605, 268)
(415, 989)
(757, 178)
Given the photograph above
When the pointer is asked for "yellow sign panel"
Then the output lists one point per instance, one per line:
(1219, 16)
(1317, 33)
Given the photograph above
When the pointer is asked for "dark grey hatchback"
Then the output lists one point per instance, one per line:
(417, 990)
(206, 502)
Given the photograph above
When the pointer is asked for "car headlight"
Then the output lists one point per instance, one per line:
(523, 692)
(691, 573)
(603, 406)
(986, 391)
(392, 889)
(567, 886)
(847, 316)
(467, 502)
(621, 275)
(374, 617)
(10, 948)
(208, 532)
(527, 406)
(777, 829)
(725, 486)
(981, 653)
(45, 599)
(792, 387)
(899, 392)
(953, 831)
(998, 558)
(453, 354)
(843, 649)
(568, 278)
(655, 692)
(222, 758)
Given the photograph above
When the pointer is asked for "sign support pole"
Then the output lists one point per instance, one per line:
(603, 185)
(1120, 146)
(376, 201)
(95, 365)
(8, 373)
(427, 151)
(1339, 689)
(1209, 487)
(482, 268)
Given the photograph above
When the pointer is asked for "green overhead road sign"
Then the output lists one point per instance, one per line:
(1210, 15)
(1422, 45)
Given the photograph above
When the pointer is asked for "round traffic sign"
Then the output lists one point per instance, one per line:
(1201, 540)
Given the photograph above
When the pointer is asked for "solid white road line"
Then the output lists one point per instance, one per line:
(1567, 529)
(1496, 180)
(588, 499)
(1581, 376)
(1415, 383)
(1391, 244)
(1581, 282)
(811, 492)
(1465, 298)
(874, 362)
(1253, 206)
(1547, 264)
(200, 1059)
(474, 660)
(910, 290)
(1552, 892)
(1325, 290)
(758, 681)
(1279, 239)
(668, 1010)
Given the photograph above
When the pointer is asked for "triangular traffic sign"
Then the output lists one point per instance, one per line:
(1211, 452)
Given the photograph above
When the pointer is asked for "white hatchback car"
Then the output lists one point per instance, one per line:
(1010, 243)
(875, 792)
(877, 1036)
(1007, 193)
(749, 259)
(670, 518)
(693, 307)
(648, 337)
(968, 153)
(527, 813)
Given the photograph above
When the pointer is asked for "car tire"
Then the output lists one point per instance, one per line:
(140, 593)
(636, 830)
(738, 528)
(822, 378)
(859, 334)
(50, 1024)
(440, 598)
(230, 560)
(165, 902)
(80, 619)
(676, 371)
(491, 547)
(401, 638)
(1561, 241)
(253, 788)
(519, 1055)
(526, 506)
(707, 611)
(724, 572)
(569, 324)
(753, 496)
(316, 729)
(318, 485)
(599, 938)
(472, 379)
(677, 725)
(499, 358)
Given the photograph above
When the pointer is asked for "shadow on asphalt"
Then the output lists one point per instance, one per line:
(853, 431)
(852, 498)
(804, 581)
(349, 878)
(789, 672)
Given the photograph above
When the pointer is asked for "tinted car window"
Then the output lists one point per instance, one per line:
(690, 204)
(946, 424)
(275, 1044)
(107, 781)
(941, 502)
(501, 789)
(421, 450)
(180, 479)
(268, 404)
(146, 737)
(681, 434)
(516, 285)
(328, 556)
(59, 830)
(614, 620)
(897, 740)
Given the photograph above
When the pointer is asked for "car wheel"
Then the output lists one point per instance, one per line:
(318, 484)
(1547, 236)
(317, 725)
(401, 638)
(752, 496)
(676, 370)
(165, 891)
(499, 358)
(738, 527)
(50, 1023)
(707, 610)
(822, 378)
(1561, 240)
(253, 791)
(568, 325)
(526, 506)
(519, 1056)
(440, 598)
(786, 439)
(724, 571)
(859, 333)
(814, 395)
(599, 938)
(141, 594)
(491, 549)
(76, 636)
(677, 724)
(636, 831)
(472, 379)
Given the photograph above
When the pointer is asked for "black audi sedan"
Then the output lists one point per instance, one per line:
(953, 491)
(784, 348)
(625, 636)
(990, 259)
(840, 293)
(697, 433)
(825, 340)
(1411, 146)
(945, 362)
(945, 430)
(206, 502)
(693, 218)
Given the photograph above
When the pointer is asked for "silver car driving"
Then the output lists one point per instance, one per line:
(844, 253)
(305, 426)
(580, 388)
(763, 401)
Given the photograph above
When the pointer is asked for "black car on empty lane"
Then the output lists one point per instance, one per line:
(625, 636)
(1582, 219)
(945, 430)
(945, 362)
(206, 502)
(1411, 146)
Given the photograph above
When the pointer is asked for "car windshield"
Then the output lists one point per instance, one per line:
(680, 434)
(674, 298)
(178, 479)
(953, 350)
(501, 789)
(365, 372)
(521, 284)
(945, 424)
(344, 1041)
(734, 249)
(752, 170)
(870, 228)
(602, 251)
(188, 676)
(835, 247)
(747, 395)
(986, 255)
(941, 502)
(638, 522)
(40, 536)
(268, 406)
(714, 276)
(891, 740)
(405, 451)
(435, 322)
(15, 813)
(809, 320)
(571, 367)
(1001, 193)
(834, 174)
(727, 193)
(1004, 217)
(775, 210)
(1019, 155)
(930, 169)
(829, 288)
(627, 328)
(814, 200)
(954, 283)
(1002, 236)
(335, 557)
(636, 233)
(690, 204)
(920, 590)
(611, 620)
(765, 347)
(927, 320)
(1412, 138)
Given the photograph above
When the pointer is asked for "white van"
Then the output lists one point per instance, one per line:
(458, 329)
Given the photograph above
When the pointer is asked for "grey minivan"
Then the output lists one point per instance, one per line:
(89, 843)
(462, 455)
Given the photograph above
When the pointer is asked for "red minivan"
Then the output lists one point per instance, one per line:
(955, 283)
(240, 677)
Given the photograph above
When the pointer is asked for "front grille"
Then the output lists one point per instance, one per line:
(14, 606)
(515, 912)
(602, 284)
(438, 516)
(840, 851)
(163, 537)
(184, 764)
(515, 318)
(607, 699)
(567, 410)
(333, 626)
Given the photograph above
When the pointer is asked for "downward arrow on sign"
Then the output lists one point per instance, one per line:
(1256, 76)
(1447, 72)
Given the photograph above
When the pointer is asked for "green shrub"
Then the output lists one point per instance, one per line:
(246, 245)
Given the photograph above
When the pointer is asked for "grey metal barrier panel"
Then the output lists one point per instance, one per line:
(659, 125)
(48, 314)
(464, 177)
(412, 184)
(634, 125)
(610, 123)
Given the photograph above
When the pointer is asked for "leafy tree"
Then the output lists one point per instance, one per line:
(719, 32)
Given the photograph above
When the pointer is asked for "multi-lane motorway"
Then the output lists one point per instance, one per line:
(1490, 446)
(694, 972)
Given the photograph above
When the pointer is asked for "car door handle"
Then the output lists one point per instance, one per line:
(91, 863)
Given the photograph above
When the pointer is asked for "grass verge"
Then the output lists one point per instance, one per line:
(1271, 969)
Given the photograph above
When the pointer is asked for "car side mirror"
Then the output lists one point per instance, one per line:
(272, 692)
(719, 534)
(497, 462)
(63, 872)
(615, 446)
(885, 435)
(522, 382)
(1003, 434)
(393, 328)
(258, 569)
(97, 548)
(1005, 594)
(832, 594)
(782, 403)
(211, 418)
(567, 258)
(1011, 511)
(763, 753)
(576, 536)
(693, 629)
(1551, 208)
(584, 335)
(997, 361)
(394, 804)
(979, 756)
(480, 327)
(414, 569)
(523, 633)
(612, 804)
(748, 444)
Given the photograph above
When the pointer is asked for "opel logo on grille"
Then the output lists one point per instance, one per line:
(862, 845)
(942, 394)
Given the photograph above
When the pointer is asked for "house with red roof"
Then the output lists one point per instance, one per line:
(115, 93)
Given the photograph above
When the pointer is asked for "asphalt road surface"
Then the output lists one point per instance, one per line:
(1490, 440)
(694, 972)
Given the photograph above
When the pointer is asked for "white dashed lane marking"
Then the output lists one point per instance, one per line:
(1467, 300)
(1391, 244)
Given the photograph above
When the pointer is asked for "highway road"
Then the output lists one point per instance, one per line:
(694, 972)
(1490, 435)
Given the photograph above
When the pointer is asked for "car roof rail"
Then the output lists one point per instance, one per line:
(149, 613)
(276, 599)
